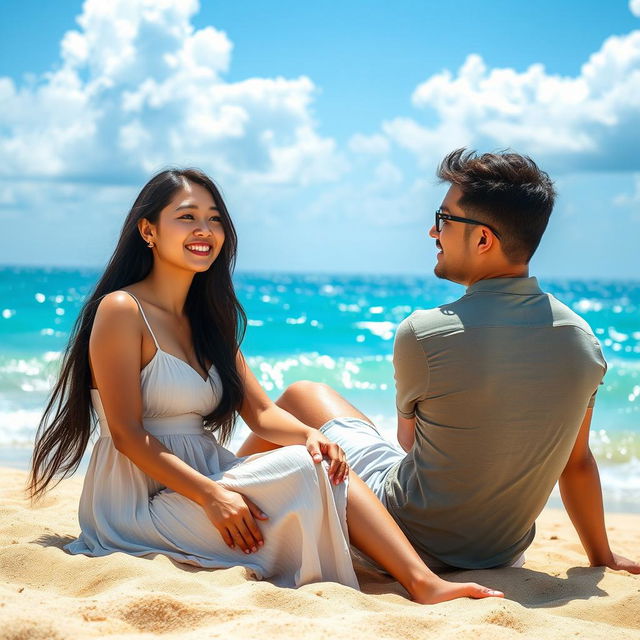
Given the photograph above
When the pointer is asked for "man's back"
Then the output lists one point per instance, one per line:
(499, 382)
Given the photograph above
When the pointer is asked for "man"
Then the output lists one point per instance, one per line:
(494, 391)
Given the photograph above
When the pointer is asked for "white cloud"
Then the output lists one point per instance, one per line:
(634, 7)
(64, 223)
(590, 121)
(384, 198)
(627, 199)
(388, 174)
(139, 88)
(374, 144)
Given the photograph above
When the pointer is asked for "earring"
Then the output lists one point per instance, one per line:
(150, 244)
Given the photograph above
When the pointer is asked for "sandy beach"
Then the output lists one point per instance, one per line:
(47, 594)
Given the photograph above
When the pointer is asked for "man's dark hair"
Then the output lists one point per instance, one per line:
(508, 191)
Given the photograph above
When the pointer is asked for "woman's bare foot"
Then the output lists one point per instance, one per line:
(432, 589)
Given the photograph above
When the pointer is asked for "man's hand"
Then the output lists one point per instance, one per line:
(319, 446)
(620, 563)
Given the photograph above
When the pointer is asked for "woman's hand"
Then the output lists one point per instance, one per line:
(233, 515)
(319, 446)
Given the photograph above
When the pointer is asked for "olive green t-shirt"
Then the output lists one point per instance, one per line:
(498, 382)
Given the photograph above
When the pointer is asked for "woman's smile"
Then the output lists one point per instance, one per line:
(199, 248)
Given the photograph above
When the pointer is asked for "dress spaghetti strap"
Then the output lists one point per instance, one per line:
(144, 317)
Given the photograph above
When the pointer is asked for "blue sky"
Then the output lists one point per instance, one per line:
(323, 123)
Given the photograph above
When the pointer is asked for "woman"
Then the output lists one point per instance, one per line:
(155, 353)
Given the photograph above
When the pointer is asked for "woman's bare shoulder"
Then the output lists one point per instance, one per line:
(117, 311)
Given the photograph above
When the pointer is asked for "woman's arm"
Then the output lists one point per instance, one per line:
(115, 354)
(267, 420)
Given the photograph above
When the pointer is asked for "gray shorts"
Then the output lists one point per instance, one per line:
(368, 453)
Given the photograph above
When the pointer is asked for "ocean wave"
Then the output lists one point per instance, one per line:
(18, 428)
(374, 373)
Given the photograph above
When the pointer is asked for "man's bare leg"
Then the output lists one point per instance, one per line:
(313, 403)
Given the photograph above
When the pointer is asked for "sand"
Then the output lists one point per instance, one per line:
(47, 594)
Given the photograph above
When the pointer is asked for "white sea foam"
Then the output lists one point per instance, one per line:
(18, 428)
(585, 305)
(620, 486)
(382, 329)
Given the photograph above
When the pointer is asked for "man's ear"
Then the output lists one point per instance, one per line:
(485, 241)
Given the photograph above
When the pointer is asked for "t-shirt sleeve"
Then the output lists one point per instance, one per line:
(592, 400)
(410, 369)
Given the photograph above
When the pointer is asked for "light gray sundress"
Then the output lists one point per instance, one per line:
(123, 509)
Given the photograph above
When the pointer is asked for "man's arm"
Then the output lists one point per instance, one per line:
(411, 374)
(406, 432)
(582, 497)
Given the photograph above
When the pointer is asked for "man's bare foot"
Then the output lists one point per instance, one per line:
(431, 590)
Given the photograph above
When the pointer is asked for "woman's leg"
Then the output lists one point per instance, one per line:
(255, 444)
(375, 532)
(313, 403)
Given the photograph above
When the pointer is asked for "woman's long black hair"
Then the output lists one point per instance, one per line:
(217, 323)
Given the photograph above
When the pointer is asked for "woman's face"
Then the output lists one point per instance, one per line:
(189, 232)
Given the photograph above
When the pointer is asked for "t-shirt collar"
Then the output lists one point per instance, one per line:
(518, 286)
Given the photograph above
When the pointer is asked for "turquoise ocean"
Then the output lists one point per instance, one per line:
(336, 329)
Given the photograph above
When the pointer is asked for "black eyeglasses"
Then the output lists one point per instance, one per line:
(441, 215)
